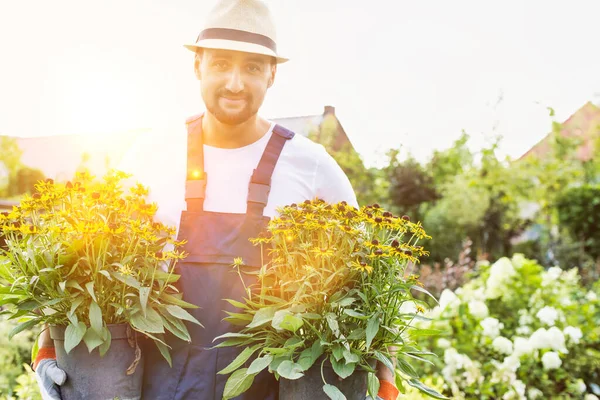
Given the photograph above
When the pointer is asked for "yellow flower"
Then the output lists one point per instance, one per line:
(362, 266)
(322, 252)
(126, 270)
(238, 262)
(420, 309)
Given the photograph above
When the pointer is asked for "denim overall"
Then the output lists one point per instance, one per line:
(207, 278)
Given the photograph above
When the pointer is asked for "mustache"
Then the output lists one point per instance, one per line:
(230, 95)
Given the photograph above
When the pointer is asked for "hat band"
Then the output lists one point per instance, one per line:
(238, 36)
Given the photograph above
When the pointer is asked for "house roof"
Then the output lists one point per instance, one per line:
(584, 123)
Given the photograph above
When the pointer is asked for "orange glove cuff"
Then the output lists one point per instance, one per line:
(387, 390)
(43, 354)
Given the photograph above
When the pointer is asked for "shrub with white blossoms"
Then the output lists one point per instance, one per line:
(517, 331)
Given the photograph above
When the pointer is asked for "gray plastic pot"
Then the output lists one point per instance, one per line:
(310, 386)
(92, 377)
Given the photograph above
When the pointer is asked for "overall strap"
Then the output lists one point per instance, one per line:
(260, 183)
(195, 184)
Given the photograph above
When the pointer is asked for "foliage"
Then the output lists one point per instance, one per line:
(518, 330)
(85, 255)
(334, 291)
(409, 185)
(13, 354)
(445, 165)
(579, 213)
(10, 158)
(26, 179)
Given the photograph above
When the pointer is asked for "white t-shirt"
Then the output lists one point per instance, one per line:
(304, 171)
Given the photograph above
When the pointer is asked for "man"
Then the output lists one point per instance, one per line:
(220, 185)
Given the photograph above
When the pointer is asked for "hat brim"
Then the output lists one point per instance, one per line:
(245, 47)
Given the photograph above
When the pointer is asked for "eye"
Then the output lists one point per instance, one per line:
(253, 68)
(220, 64)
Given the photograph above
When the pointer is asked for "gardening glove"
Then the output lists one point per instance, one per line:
(387, 391)
(48, 375)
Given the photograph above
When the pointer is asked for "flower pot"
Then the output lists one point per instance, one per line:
(92, 377)
(310, 386)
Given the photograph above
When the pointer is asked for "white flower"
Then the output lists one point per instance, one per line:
(540, 339)
(557, 339)
(500, 273)
(443, 343)
(522, 346)
(511, 363)
(523, 330)
(534, 393)
(491, 327)
(590, 396)
(502, 345)
(524, 317)
(548, 315)
(449, 299)
(518, 260)
(591, 296)
(580, 386)
(551, 360)
(551, 275)
(573, 333)
(478, 309)
(519, 387)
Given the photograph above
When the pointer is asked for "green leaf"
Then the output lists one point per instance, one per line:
(177, 301)
(92, 339)
(406, 368)
(284, 320)
(151, 323)
(237, 304)
(372, 329)
(351, 357)
(385, 361)
(290, 370)
(238, 383)
(28, 305)
(62, 285)
(74, 284)
(73, 335)
(372, 385)
(333, 324)
(171, 324)
(347, 301)
(107, 340)
(180, 313)
(164, 350)
(425, 332)
(90, 288)
(78, 300)
(126, 279)
(425, 389)
(239, 360)
(354, 314)
(333, 392)
(144, 293)
(338, 352)
(262, 316)
(357, 334)
(23, 326)
(311, 316)
(96, 318)
(106, 274)
(259, 364)
(420, 289)
(341, 368)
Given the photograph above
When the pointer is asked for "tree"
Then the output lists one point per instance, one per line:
(10, 157)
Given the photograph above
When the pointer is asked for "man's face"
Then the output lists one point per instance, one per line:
(233, 83)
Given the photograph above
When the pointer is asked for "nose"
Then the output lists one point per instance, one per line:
(235, 83)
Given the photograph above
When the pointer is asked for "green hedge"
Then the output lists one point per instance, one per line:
(579, 213)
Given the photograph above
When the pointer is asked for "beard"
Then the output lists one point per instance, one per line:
(231, 117)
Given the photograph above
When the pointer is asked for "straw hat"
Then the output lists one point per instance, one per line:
(240, 25)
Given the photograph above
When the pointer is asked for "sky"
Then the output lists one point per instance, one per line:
(399, 73)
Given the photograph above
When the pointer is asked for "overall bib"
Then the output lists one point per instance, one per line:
(207, 278)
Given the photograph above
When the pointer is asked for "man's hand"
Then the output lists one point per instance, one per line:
(47, 373)
(387, 379)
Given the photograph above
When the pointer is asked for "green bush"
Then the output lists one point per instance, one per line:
(518, 331)
(579, 213)
(13, 354)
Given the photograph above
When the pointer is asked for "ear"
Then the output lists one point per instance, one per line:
(272, 77)
(197, 61)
